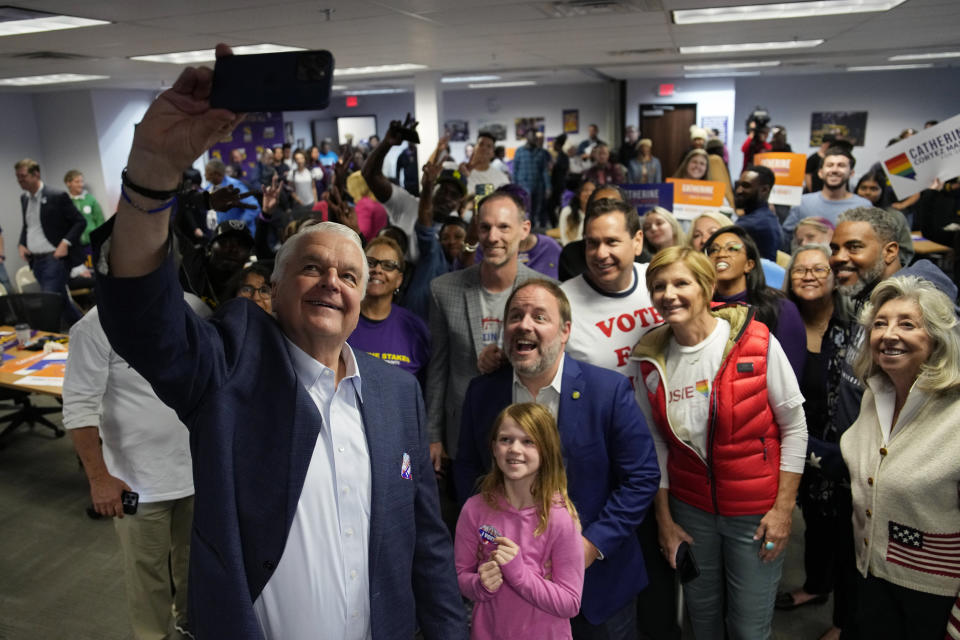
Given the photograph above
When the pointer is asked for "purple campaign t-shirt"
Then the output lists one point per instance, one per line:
(401, 339)
(543, 258)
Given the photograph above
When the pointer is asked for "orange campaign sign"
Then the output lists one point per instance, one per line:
(789, 170)
(693, 197)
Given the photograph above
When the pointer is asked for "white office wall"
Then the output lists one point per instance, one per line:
(115, 112)
(596, 102)
(387, 107)
(893, 100)
(19, 138)
(714, 97)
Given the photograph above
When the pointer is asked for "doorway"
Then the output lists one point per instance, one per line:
(668, 126)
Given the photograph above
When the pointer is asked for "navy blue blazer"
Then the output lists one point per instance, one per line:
(253, 427)
(611, 463)
(58, 217)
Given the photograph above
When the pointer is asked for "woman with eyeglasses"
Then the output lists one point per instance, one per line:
(740, 279)
(731, 442)
(386, 330)
(254, 284)
(827, 550)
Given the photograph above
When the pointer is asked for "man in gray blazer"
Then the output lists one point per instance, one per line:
(466, 316)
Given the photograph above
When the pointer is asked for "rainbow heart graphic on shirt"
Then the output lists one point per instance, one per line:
(900, 166)
(703, 387)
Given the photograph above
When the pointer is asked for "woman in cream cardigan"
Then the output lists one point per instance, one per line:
(903, 453)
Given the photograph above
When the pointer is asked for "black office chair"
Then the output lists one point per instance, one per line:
(41, 311)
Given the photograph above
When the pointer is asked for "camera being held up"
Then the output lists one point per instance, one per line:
(758, 120)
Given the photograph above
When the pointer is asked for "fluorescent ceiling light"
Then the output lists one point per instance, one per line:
(57, 78)
(208, 55)
(383, 68)
(375, 92)
(46, 23)
(926, 56)
(338, 87)
(495, 85)
(730, 65)
(721, 74)
(891, 67)
(781, 10)
(750, 46)
(468, 79)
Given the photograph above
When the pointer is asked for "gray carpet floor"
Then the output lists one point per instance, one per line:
(60, 571)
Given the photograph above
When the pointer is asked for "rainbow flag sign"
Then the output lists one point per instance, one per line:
(900, 166)
(914, 163)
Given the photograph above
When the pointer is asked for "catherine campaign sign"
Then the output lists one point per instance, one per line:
(788, 169)
(693, 197)
(912, 164)
(647, 196)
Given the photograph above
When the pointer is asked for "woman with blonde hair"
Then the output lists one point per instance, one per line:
(731, 444)
(694, 166)
(371, 216)
(903, 455)
(661, 229)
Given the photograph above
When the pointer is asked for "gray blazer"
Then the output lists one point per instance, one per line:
(455, 333)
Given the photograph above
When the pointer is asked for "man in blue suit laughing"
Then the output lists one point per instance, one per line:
(316, 512)
(608, 453)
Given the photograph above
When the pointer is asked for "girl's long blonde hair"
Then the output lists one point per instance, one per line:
(551, 478)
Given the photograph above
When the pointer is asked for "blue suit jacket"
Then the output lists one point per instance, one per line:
(612, 472)
(253, 429)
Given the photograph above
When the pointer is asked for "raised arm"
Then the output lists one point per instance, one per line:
(177, 128)
(373, 168)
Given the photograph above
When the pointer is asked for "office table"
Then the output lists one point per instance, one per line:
(30, 372)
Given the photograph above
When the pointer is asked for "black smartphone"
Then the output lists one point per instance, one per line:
(288, 81)
(130, 499)
(686, 564)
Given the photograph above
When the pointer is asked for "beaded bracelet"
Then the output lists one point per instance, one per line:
(163, 207)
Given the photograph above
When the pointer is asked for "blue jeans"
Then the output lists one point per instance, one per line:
(726, 553)
(51, 274)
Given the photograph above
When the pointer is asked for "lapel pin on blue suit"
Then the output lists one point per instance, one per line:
(406, 472)
(575, 395)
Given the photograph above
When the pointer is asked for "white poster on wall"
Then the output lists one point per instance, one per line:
(716, 122)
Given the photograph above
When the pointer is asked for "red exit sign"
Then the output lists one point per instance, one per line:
(665, 90)
(351, 101)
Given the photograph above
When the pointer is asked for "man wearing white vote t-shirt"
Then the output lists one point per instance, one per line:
(610, 302)
(612, 310)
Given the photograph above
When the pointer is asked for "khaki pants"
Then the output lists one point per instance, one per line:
(158, 530)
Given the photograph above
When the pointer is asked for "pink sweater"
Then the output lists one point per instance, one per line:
(541, 585)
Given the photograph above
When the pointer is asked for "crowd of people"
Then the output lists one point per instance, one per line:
(599, 402)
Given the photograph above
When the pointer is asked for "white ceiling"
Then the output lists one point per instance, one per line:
(515, 39)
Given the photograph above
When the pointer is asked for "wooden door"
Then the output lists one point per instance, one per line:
(668, 126)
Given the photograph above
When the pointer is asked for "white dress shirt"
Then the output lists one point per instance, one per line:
(36, 240)
(548, 396)
(321, 587)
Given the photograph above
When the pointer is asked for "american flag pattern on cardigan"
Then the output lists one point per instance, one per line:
(953, 622)
(936, 553)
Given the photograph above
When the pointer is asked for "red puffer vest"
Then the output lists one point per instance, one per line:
(741, 473)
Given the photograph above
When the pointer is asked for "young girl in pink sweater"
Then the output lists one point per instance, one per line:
(519, 553)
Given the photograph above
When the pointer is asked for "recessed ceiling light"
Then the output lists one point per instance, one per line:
(208, 55)
(383, 68)
(15, 26)
(453, 79)
(56, 78)
(926, 56)
(781, 10)
(338, 87)
(375, 92)
(750, 46)
(721, 74)
(495, 85)
(730, 65)
(890, 67)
